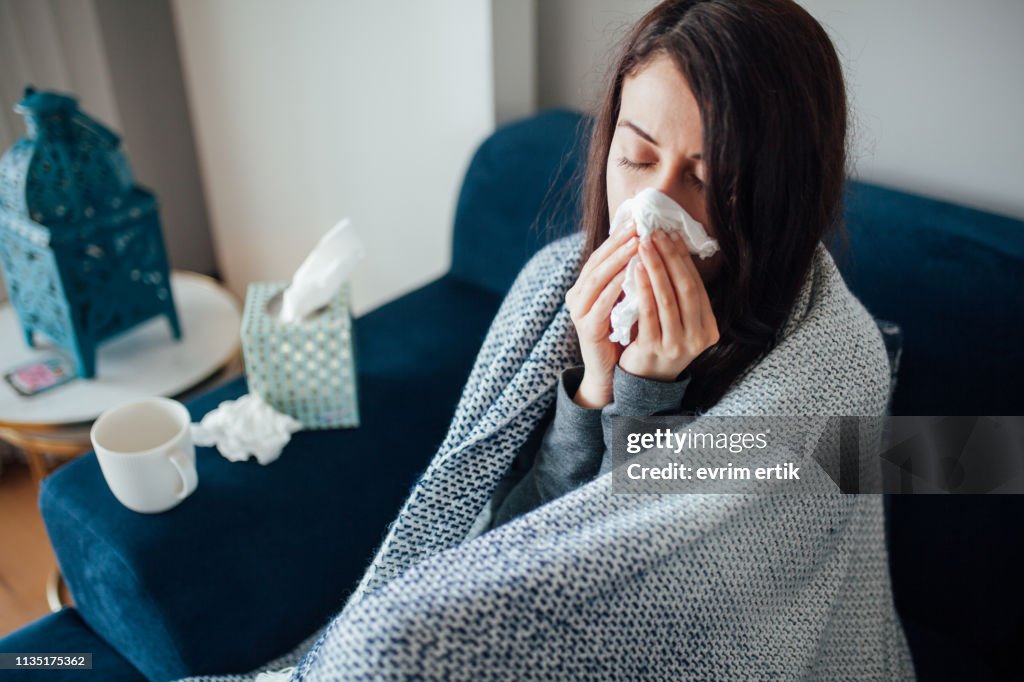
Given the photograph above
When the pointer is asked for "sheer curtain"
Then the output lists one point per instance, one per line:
(120, 59)
(52, 45)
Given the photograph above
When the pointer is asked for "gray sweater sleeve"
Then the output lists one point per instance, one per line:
(637, 396)
(576, 445)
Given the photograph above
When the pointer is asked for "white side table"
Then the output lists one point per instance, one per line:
(145, 361)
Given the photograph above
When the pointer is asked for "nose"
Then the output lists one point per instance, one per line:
(670, 183)
(668, 178)
(672, 178)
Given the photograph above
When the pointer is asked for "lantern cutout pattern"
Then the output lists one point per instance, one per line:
(81, 244)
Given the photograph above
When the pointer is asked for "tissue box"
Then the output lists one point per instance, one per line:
(306, 369)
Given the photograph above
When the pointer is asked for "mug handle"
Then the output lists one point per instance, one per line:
(189, 476)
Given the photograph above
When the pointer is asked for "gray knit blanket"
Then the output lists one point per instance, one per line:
(602, 586)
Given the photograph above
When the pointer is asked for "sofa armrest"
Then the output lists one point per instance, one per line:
(258, 557)
(65, 632)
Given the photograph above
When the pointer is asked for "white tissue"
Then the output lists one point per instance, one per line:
(323, 272)
(652, 210)
(246, 427)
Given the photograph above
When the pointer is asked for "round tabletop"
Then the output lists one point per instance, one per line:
(144, 361)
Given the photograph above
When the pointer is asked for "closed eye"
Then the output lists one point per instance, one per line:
(633, 165)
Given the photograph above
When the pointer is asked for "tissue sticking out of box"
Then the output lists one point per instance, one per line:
(244, 428)
(651, 210)
(321, 275)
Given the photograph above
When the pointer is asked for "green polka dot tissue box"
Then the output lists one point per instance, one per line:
(307, 368)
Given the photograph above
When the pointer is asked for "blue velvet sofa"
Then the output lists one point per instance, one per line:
(258, 557)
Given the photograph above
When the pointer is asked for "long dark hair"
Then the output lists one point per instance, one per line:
(773, 107)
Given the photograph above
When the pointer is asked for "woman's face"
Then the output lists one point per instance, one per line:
(657, 143)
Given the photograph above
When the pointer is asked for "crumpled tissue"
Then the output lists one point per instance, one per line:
(652, 210)
(323, 272)
(244, 428)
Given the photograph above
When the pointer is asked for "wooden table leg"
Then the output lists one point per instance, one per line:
(53, 582)
(37, 445)
(36, 464)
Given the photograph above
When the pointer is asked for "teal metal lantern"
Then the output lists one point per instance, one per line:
(80, 242)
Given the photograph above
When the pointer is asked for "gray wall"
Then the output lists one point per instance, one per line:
(514, 58)
(934, 86)
(142, 54)
(576, 43)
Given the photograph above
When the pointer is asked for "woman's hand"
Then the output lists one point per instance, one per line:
(590, 301)
(676, 323)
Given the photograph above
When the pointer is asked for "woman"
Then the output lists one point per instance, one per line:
(512, 558)
(656, 140)
(737, 111)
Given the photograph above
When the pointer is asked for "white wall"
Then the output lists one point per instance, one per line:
(306, 112)
(935, 86)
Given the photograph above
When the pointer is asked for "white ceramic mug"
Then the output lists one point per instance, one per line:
(146, 454)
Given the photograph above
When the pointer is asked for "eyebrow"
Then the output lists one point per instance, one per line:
(642, 133)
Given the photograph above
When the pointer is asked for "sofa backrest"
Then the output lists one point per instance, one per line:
(520, 193)
(953, 279)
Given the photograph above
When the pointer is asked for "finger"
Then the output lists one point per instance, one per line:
(708, 322)
(664, 295)
(595, 283)
(606, 301)
(607, 248)
(707, 319)
(687, 283)
(599, 256)
(707, 314)
(648, 331)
